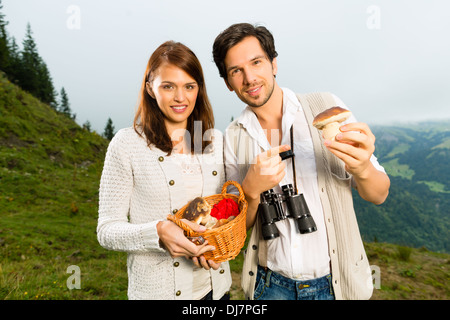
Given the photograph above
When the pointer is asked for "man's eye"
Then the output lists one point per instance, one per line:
(235, 72)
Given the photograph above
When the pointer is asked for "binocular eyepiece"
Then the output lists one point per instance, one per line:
(271, 209)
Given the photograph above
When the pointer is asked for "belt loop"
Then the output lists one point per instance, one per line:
(330, 284)
(268, 275)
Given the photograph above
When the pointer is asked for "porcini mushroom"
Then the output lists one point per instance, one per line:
(330, 121)
(198, 211)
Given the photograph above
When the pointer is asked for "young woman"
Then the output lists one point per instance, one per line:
(153, 169)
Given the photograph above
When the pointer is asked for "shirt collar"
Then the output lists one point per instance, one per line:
(250, 122)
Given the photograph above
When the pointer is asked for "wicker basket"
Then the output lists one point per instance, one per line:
(229, 238)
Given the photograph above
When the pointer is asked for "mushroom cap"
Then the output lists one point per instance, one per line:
(197, 209)
(334, 114)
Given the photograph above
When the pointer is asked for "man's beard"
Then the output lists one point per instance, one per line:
(266, 98)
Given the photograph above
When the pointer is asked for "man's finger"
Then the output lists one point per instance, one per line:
(275, 151)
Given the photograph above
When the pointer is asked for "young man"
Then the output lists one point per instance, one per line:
(329, 263)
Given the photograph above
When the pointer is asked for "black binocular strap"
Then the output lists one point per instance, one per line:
(293, 160)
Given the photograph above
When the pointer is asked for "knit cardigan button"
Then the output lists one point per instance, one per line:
(171, 182)
(178, 293)
(214, 173)
(161, 159)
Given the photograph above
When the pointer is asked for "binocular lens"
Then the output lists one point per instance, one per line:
(270, 231)
(306, 224)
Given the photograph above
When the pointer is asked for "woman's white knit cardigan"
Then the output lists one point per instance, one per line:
(139, 187)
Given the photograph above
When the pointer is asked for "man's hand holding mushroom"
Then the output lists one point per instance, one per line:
(354, 144)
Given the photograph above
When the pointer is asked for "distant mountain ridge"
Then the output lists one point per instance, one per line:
(417, 211)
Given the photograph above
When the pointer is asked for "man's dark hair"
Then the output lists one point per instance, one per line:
(235, 34)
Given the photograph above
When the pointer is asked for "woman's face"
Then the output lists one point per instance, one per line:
(176, 93)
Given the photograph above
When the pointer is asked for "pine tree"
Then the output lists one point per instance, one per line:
(4, 47)
(87, 126)
(14, 67)
(31, 62)
(64, 106)
(109, 130)
(34, 75)
(46, 92)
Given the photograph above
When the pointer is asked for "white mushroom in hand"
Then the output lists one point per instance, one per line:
(330, 121)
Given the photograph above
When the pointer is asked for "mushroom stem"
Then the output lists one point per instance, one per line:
(331, 130)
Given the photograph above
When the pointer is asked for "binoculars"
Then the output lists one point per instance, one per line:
(270, 209)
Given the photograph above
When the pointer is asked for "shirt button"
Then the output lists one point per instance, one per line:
(214, 173)
(161, 159)
(251, 273)
(171, 182)
(178, 293)
(254, 247)
(176, 264)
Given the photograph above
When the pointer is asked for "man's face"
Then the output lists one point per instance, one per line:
(250, 73)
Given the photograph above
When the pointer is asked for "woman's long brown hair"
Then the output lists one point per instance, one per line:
(149, 120)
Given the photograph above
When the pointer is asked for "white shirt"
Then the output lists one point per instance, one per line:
(294, 255)
(193, 182)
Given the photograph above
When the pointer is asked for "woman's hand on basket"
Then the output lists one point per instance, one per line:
(172, 239)
(201, 262)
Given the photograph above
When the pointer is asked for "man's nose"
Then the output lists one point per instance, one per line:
(249, 76)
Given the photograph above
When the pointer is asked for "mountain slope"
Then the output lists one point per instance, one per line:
(417, 211)
(49, 177)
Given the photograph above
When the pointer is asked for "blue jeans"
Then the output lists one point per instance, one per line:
(273, 286)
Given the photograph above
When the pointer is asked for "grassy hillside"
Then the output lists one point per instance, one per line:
(49, 176)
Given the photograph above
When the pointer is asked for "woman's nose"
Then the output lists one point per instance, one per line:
(179, 95)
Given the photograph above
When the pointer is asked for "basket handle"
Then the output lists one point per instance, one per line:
(181, 224)
(237, 185)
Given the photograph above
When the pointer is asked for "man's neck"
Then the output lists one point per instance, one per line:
(270, 115)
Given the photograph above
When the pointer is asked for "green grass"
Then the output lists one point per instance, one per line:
(408, 273)
(435, 186)
(395, 169)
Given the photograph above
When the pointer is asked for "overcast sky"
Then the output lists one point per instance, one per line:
(388, 60)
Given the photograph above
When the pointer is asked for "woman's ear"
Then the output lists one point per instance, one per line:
(148, 87)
